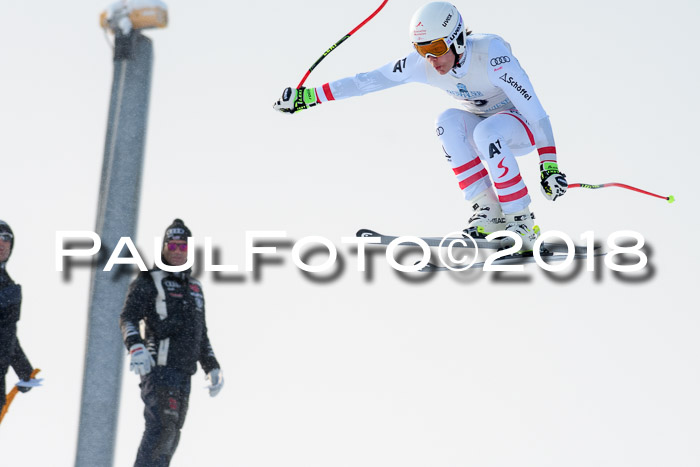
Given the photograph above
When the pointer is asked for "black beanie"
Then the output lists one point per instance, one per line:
(5, 228)
(176, 231)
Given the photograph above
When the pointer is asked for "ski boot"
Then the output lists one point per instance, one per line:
(523, 224)
(487, 216)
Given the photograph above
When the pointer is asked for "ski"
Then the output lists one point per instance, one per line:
(459, 242)
(433, 241)
(514, 259)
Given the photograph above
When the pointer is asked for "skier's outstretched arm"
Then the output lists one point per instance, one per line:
(405, 70)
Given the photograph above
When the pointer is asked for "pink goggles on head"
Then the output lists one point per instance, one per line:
(172, 246)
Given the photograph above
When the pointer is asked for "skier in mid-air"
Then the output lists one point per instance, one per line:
(502, 117)
(166, 352)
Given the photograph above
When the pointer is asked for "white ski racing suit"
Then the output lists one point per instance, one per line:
(502, 117)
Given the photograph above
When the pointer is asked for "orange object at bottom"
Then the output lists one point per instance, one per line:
(11, 395)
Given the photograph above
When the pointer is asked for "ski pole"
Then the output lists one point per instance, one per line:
(333, 47)
(670, 198)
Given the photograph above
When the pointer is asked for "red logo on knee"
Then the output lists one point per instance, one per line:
(505, 169)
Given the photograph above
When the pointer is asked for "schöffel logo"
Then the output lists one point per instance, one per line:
(509, 79)
(447, 20)
(499, 61)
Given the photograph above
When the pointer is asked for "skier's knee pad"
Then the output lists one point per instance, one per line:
(169, 436)
(170, 422)
(484, 135)
(450, 121)
(492, 146)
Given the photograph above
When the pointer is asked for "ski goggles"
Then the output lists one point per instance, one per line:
(436, 48)
(6, 237)
(172, 246)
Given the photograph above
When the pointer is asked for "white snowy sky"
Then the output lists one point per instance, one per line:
(470, 369)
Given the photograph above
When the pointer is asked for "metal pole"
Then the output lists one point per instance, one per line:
(117, 216)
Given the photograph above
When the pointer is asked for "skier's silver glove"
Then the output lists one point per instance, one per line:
(553, 182)
(141, 360)
(216, 378)
(294, 100)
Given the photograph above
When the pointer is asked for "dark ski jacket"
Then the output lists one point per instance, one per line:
(170, 307)
(11, 353)
(10, 298)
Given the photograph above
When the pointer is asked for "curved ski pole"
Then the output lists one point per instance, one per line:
(670, 198)
(333, 47)
(11, 395)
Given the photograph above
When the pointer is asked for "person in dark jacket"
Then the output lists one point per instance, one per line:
(11, 353)
(165, 331)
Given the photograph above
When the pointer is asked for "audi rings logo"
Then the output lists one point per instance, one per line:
(499, 61)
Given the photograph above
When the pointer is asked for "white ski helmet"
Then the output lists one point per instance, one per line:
(436, 27)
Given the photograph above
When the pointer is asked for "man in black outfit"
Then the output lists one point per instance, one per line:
(11, 353)
(174, 339)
